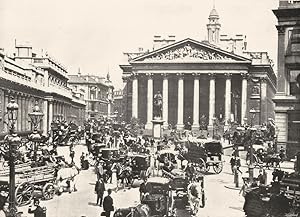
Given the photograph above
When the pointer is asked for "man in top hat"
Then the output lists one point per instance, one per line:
(36, 209)
(99, 190)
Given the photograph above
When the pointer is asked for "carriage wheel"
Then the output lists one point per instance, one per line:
(48, 191)
(254, 160)
(24, 193)
(218, 167)
(207, 168)
(203, 166)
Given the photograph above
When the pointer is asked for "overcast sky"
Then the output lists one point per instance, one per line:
(93, 34)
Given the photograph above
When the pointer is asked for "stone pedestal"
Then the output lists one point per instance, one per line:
(157, 128)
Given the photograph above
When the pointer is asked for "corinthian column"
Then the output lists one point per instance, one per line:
(244, 98)
(45, 117)
(196, 125)
(212, 95)
(50, 103)
(165, 100)
(134, 97)
(19, 120)
(227, 98)
(149, 102)
(180, 124)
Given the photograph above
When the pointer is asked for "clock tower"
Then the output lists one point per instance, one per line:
(213, 27)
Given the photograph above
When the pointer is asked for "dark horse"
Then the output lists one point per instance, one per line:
(141, 210)
(126, 176)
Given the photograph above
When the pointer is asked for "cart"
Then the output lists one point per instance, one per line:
(140, 165)
(214, 152)
(159, 197)
(205, 155)
(31, 182)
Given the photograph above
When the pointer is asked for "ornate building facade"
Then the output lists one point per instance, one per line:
(30, 79)
(287, 110)
(119, 104)
(98, 94)
(200, 79)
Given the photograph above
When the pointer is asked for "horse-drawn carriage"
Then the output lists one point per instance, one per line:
(157, 202)
(109, 154)
(206, 155)
(187, 192)
(140, 164)
(65, 134)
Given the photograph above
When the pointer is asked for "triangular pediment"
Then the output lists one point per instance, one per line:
(189, 50)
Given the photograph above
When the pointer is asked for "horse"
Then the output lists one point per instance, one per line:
(141, 210)
(66, 179)
(195, 196)
(126, 175)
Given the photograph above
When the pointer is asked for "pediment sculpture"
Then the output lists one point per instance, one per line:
(188, 52)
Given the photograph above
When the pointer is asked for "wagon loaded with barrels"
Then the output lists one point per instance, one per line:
(30, 182)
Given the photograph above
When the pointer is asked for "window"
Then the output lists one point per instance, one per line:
(294, 126)
(294, 82)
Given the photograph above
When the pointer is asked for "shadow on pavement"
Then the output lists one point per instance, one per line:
(92, 204)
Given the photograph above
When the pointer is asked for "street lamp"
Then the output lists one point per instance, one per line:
(116, 115)
(252, 135)
(13, 141)
(245, 121)
(252, 112)
(36, 117)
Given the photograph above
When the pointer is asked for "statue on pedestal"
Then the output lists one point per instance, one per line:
(157, 105)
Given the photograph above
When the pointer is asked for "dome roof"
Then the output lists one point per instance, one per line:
(213, 13)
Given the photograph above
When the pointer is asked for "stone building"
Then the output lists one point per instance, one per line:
(287, 109)
(98, 94)
(200, 78)
(119, 104)
(29, 78)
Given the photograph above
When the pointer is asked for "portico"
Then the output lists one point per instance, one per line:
(196, 79)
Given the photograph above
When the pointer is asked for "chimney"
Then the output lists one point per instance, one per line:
(245, 43)
(141, 50)
(159, 41)
(156, 42)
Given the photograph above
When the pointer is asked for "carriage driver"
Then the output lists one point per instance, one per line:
(190, 171)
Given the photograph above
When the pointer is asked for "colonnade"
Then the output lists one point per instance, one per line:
(25, 103)
(196, 99)
(51, 108)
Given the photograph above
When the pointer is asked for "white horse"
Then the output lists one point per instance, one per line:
(66, 179)
(195, 196)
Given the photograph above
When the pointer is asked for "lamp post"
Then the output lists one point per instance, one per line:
(214, 123)
(252, 113)
(13, 141)
(252, 135)
(236, 97)
(116, 115)
(245, 122)
(36, 117)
